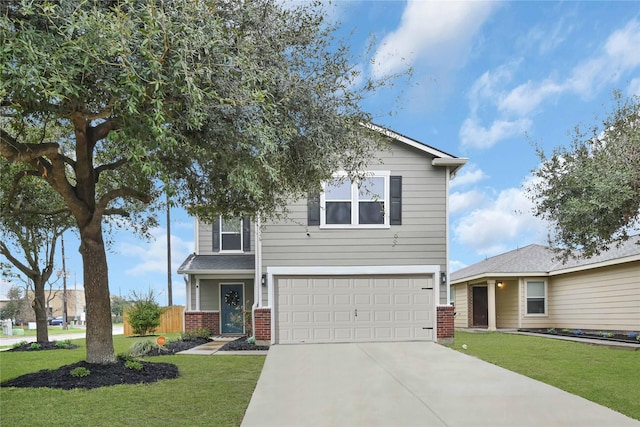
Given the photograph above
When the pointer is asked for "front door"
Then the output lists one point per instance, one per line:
(480, 306)
(231, 312)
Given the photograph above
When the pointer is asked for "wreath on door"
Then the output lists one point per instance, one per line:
(232, 298)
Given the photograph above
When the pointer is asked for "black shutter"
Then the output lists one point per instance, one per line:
(246, 234)
(395, 193)
(313, 209)
(216, 235)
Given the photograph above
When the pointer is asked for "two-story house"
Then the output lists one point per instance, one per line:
(362, 261)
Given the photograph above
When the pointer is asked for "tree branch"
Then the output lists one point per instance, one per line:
(96, 133)
(111, 166)
(15, 151)
(101, 207)
(4, 250)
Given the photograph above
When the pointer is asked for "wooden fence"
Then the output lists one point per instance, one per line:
(172, 320)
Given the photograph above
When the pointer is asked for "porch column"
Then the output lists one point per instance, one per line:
(491, 305)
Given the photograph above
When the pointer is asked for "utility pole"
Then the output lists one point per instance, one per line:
(169, 294)
(64, 289)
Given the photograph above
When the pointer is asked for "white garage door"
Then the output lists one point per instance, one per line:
(323, 309)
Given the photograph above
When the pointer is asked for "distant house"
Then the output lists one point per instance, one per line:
(362, 261)
(529, 288)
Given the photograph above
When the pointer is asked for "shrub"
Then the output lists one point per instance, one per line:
(80, 372)
(144, 314)
(35, 346)
(195, 333)
(63, 344)
(551, 331)
(142, 348)
(133, 365)
(19, 344)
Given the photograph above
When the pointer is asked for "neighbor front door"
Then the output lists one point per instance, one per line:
(480, 306)
(231, 313)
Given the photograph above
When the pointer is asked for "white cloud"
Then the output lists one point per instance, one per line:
(460, 202)
(470, 175)
(473, 134)
(456, 265)
(502, 223)
(526, 98)
(618, 56)
(153, 255)
(440, 33)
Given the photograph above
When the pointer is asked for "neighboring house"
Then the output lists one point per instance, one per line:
(351, 264)
(530, 288)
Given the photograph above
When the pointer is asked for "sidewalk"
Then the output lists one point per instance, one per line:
(9, 341)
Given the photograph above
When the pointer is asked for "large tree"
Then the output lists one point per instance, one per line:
(237, 105)
(590, 191)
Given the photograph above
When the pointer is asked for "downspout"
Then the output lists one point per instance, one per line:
(257, 281)
(446, 233)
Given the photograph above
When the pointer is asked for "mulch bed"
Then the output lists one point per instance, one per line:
(241, 344)
(629, 338)
(115, 373)
(100, 376)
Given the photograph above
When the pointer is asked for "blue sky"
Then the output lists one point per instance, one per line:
(489, 80)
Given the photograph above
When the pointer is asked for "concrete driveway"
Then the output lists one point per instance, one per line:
(407, 384)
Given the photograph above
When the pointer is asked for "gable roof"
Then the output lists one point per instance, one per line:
(537, 260)
(441, 158)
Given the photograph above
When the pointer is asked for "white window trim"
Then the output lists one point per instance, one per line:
(526, 298)
(231, 251)
(355, 205)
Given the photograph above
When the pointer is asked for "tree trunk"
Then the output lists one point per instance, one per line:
(97, 297)
(40, 308)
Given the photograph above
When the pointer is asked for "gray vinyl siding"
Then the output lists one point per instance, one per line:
(420, 240)
(205, 239)
(210, 293)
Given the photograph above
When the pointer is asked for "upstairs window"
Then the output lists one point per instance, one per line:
(373, 202)
(363, 203)
(231, 235)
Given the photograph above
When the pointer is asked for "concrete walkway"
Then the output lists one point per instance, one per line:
(407, 384)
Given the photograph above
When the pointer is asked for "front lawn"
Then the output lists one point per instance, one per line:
(601, 374)
(211, 390)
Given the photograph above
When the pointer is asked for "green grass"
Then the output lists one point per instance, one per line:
(604, 375)
(211, 390)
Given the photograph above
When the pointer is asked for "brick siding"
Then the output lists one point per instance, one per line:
(201, 319)
(445, 317)
(262, 329)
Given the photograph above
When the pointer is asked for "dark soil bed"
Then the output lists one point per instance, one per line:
(241, 344)
(116, 373)
(50, 345)
(100, 376)
(627, 337)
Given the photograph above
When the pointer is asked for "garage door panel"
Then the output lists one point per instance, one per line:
(342, 299)
(362, 299)
(342, 316)
(321, 299)
(352, 309)
(322, 317)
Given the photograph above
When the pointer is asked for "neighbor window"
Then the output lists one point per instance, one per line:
(230, 234)
(536, 297)
(349, 203)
